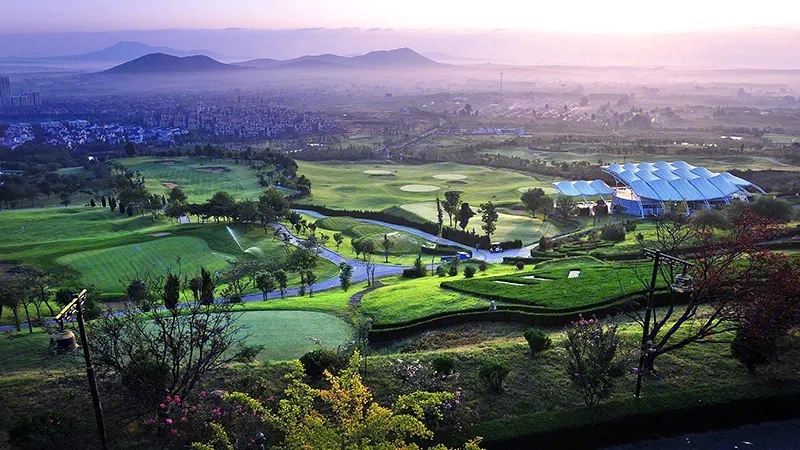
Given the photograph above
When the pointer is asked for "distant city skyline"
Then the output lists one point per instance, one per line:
(614, 17)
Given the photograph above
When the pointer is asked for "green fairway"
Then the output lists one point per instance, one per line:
(198, 178)
(347, 186)
(104, 268)
(284, 334)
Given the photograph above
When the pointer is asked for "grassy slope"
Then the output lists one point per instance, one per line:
(598, 281)
(238, 180)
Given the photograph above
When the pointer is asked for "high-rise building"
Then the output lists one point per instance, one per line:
(5, 90)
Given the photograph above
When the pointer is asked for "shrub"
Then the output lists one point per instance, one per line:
(452, 268)
(469, 271)
(630, 225)
(537, 340)
(753, 352)
(317, 361)
(613, 232)
(418, 271)
(520, 265)
(592, 362)
(441, 271)
(494, 373)
(482, 267)
(444, 365)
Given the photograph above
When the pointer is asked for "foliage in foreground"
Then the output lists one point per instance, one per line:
(342, 416)
(593, 363)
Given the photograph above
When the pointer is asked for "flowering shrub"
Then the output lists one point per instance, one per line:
(592, 361)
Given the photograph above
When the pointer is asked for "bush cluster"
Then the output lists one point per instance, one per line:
(538, 340)
(494, 373)
(614, 232)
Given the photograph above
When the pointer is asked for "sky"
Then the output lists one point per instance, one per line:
(615, 17)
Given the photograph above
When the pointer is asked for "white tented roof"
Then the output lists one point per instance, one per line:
(583, 188)
(678, 181)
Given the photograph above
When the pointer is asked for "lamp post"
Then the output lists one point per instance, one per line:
(682, 283)
(76, 307)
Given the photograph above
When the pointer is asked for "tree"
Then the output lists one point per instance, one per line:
(272, 207)
(452, 201)
(464, 214)
(11, 293)
(66, 198)
(565, 205)
(138, 291)
(439, 214)
(172, 292)
(344, 415)
(103, 201)
(310, 278)
(221, 205)
(489, 217)
(387, 245)
(338, 238)
(130, 149)
(171, 354)
(728, 271)
(240, 275)
(531, 199)
(265, 283)
(345, 275)
(281, 279)
(112, 204)
(177, 196)
(207, 286)
(92, 203)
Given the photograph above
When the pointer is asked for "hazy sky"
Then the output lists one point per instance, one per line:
(572, 16)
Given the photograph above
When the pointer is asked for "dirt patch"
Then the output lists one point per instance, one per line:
(213, 169)
(419, 188)
(160, 234)
(377, 172)
(169, 184)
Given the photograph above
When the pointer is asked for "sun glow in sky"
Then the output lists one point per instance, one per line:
(569, 16)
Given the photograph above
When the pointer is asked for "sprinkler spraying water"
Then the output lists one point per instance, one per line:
(233, 235)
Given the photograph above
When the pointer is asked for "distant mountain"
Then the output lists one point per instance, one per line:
(161, 63)
(401, 57)
(128, 50)
(119, 52)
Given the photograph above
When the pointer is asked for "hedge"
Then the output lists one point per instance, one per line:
(507, 313)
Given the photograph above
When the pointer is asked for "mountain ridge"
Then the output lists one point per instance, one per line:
(399, 57)
(163, 63)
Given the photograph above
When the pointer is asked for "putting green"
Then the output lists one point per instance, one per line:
(419, 188)
(284, 334)
(377, 172)
(450, 176)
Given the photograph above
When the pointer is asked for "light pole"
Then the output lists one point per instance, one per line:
(76, 307)
(682, 283)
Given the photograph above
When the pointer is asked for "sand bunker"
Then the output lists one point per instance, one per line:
(574, 273)
(534, 277)
(450, 176)
(511, 283)
(419, 188)
(377, 172)
(213, 169)
(160, 234)
(169, 184)
(167, 163)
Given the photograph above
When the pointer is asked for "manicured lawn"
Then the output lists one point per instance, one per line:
(550, 286)
(407, 299)
(284, 334)
(200, 179)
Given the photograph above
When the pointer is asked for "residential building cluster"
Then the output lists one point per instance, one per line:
(30, 98)
(75, 133)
